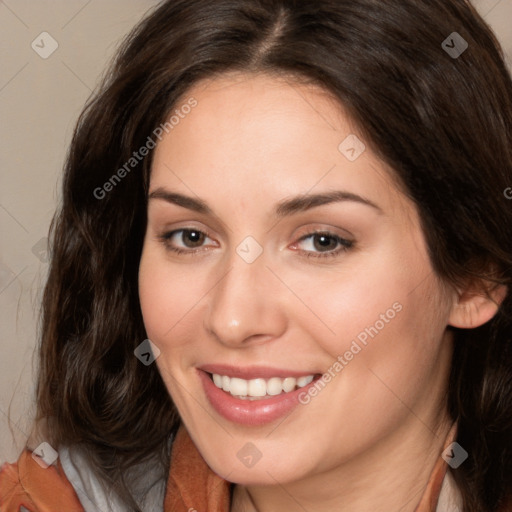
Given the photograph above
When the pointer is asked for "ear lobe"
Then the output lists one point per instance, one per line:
(476, 307)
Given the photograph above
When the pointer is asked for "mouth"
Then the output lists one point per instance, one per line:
(254, 396)
(259, 389)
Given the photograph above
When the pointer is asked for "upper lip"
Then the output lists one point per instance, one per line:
(253, 372)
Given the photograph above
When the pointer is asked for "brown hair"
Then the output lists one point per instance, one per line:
(443, 124)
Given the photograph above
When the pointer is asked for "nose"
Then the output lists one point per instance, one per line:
(246, 307)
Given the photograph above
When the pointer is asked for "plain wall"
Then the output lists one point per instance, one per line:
(40, 100)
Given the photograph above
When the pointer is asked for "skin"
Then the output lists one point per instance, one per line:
(370, 438)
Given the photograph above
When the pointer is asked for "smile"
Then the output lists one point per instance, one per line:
(259, 389)
(253, 396)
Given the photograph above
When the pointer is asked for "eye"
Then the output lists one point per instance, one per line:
(186, 240)
(317, 244)
(322, 244)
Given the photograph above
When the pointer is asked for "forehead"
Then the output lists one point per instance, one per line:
(269, 136)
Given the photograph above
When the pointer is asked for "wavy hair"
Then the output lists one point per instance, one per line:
(443, 124)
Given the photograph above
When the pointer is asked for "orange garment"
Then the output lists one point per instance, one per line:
(191, 484)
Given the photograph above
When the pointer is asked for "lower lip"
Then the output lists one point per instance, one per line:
(250, 412)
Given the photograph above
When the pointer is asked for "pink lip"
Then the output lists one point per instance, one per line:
(252, 372)
(247, 412)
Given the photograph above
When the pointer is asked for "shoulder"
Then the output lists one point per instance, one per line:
(71, 484)
(35, 486)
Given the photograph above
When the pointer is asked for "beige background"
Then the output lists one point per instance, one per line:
(40, 100)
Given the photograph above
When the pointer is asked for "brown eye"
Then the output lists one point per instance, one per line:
(192, 238)
(323, 244)
(185, 240)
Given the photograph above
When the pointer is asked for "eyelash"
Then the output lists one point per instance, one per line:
(345, 244)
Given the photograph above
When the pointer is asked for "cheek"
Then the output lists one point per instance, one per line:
(390, 365)
(398, 359)
(353, 304)
(386, 321)
(167, 296)
(167, 299)
(156, 299)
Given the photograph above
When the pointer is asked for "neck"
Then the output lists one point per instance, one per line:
(392, 475)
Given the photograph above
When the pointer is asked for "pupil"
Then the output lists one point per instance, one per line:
(193, 238)
(324, 242)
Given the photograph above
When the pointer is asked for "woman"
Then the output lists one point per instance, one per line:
(302, 205)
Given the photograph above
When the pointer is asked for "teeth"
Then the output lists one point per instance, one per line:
(304, 381)
(237, 386)
(274, 386)
(289, 384)
(217, 379)
(257, 388)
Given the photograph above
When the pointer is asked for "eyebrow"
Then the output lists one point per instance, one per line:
(307, 201)
(188, 202)
(284, 208)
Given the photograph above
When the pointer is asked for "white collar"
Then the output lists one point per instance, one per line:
(450, 499)
(149, 491)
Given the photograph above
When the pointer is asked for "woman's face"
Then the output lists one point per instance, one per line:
(235, 282)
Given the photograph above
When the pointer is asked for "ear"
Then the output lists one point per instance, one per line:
(476, 304)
